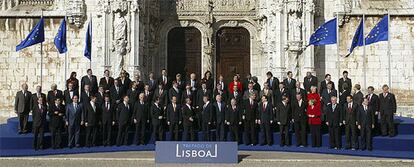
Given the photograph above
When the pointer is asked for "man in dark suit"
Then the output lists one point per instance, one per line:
(206, 117)
(273, 82)
(334, 123)
(219, 108)
(39, 112)
(220, 91)
(35, 96)
(53, 94)
(249, 90)
(365, 119)
(90, 80)
(297, 90)
(141, 118)
(133, 93)
(266, 118)
(86, 94)
(164, 79)
(106, 82)
(279, 93)
(373, 103)
(100, 96)
(325, 82)
(123, 116)
(203, 91)
(309, 81)
(187, 93)
(92, 110)
(249, 117)
(343, 80)
(162, 94)
(233, 119)
(387, 109)
(56, 114)
(188, 120)
(349, 120)
(194, 84)
(235, 95)
(148, 95)
(283, 117)
(289, 82)
(116, 93)
(222, 82)
(157, 115)
(69, 93)
(152, 82)
(326, 95)
(174, 117)
(73, 117)
(180, 82)
(358, 95)
(108, 120)
(175, 91)
(299, 120)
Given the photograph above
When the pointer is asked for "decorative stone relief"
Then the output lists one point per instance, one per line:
(76, 12)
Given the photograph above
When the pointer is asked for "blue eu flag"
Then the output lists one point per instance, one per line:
(379, 32)
(358, 37)
(325, 34)
(88, 42)
(37, 35)
(60, 39)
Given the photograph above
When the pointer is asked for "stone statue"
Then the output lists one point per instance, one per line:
(295, 28)
(120, 39)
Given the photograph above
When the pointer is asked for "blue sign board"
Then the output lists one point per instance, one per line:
(195, 152)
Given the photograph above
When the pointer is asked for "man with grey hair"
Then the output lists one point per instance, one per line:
(22, 107)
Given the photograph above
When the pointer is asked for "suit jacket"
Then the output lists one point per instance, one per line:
(92, 82)
(152, 83)
(156, 112)
(310, 81)
(323, 86)
(265, 114)
(85, 98)
(326, 97)
(220, 114)
(188, 94)
(188, 113)
(301, 91)
(72, 116)
(342, 81)
(358, 97)
(365, 117)
(148, 97)
(224, 94)
(239, 98)
(350, 116)
(163, 97)
(270, 95)
(207, 112)
(106, 84)
(108, 114)
(116, 95)
(196, 85)
(278, 95)
(177, 93)
(233, 116)
(201, 94)
(125, 85)
(283, 113)
(55, 119)
(387, 105)
(250, 111)
(100, 98)
(34, 99)
(291, 85)
(133, 95)
(51, 96)
(39, 115)
(342, 97)
(373, 102)
(246, 94)
(299, 112)
(174, 116)
(274, 85)
(167, 85)
(141, 111)
(68, 98)
(140, 86)
(334, 116)
(181, 84)
(123, 115)
(91, 115)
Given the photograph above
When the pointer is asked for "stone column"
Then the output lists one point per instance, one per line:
(135, 54)
(309, 64)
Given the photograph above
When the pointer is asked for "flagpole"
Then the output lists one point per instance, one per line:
(337, 45)
(364, 51)
(41, 60)
(90, 60)
(66, 60)
(389, 50)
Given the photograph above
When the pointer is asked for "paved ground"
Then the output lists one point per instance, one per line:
(248, 159)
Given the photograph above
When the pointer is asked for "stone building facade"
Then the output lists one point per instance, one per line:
(223, 36)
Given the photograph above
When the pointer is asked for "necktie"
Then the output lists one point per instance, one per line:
(107, 106)
(75, 106)
(264, 107)
(41, 109)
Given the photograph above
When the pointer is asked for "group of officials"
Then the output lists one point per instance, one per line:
(110, 110)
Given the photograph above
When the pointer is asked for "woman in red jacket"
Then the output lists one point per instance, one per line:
(314, 117)
(237, 83)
